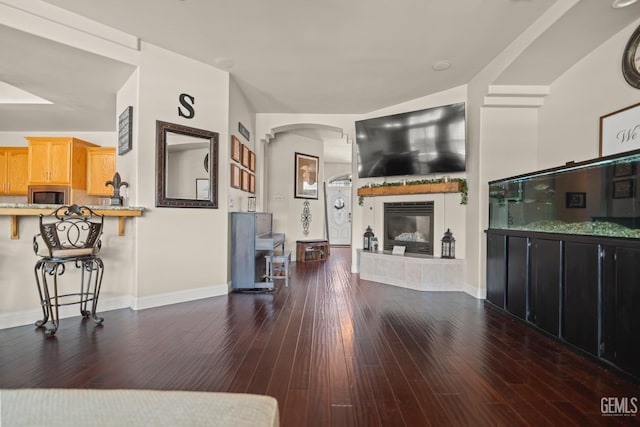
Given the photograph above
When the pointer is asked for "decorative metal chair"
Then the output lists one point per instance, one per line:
(71, 234)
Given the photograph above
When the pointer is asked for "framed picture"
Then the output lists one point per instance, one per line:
(623, 189)
(245, 156)
(202, 189)
(235, 148)
(236, 177)
(252, 183)
(252, 161)
(125, 131)
(576, 200)
(245, 180)
(620, 131)
(623, 169)
(306, 176)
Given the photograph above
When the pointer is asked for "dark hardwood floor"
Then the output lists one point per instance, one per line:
(335, 351)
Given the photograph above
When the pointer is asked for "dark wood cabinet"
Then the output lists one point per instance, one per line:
(517, 275)
(621, 307)
(496, 268)
(583, 290)
(580, 314)
(545, 285)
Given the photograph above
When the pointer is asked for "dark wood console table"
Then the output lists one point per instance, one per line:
(312, 250)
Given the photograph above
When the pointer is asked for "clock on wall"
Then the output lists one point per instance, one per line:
(631, 60)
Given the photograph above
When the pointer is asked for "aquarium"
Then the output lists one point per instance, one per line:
(596, 197)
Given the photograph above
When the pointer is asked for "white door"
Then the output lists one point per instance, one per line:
(339, 215)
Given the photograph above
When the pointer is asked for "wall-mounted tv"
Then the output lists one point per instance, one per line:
(415, 143)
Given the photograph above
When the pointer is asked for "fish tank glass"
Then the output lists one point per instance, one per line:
(597, 197)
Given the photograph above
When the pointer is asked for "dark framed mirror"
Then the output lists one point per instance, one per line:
(181, 179)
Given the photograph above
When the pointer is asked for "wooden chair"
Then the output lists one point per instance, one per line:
(69, 234)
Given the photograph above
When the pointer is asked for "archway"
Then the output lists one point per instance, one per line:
(334, 151)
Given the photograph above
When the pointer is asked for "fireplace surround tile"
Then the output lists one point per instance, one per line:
(414, 272)
(419, 272)
(433, 275)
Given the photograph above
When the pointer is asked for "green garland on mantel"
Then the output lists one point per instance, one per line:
(463, 187)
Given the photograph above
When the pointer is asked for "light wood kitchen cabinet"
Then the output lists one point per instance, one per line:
(101, 166)
(58, 161)
(13, 171)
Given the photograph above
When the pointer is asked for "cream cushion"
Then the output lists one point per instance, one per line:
(90, 407)
(67, 253)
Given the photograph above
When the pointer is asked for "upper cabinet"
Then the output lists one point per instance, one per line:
(101, 166)
(13, 171)
(58, 161)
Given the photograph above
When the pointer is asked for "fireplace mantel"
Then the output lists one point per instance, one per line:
(393, 190)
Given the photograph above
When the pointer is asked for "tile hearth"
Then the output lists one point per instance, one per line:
(418, 272)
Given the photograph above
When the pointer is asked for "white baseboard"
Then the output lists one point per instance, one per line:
(474, 291)
(151, 301)
(26, 317)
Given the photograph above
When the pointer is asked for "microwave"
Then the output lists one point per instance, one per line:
(49, 194)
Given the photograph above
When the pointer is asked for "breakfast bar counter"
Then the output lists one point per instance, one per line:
(16, 210)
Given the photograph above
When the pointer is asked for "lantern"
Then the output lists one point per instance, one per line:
(368, 235)
(252, 204)
(448, 245)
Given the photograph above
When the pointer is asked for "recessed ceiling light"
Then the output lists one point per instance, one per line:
(619, 4)
(441, 65)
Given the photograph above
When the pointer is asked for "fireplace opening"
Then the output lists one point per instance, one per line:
(409, 224)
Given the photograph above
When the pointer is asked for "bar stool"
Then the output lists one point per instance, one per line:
(71, 234)
(278, 267)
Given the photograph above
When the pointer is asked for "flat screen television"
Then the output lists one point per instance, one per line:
(415, 143)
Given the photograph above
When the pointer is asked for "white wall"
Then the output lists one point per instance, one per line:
(481, 165)
(126, 164)
(508, 144)
(570, 117)
(334, 169)
(286, 209)
(241, 111)
(181, 253)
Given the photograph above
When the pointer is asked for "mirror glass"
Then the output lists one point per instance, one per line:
(187, 166)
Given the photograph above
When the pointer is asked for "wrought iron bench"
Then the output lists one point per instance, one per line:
(70, 234)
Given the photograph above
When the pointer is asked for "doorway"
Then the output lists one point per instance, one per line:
(339, 210)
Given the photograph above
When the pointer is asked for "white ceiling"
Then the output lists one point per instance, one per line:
(81, 86)
(298, 56)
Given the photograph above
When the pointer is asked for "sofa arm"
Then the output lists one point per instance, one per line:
(84, 407)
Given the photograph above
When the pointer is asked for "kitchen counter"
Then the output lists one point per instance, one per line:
(16, 210)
